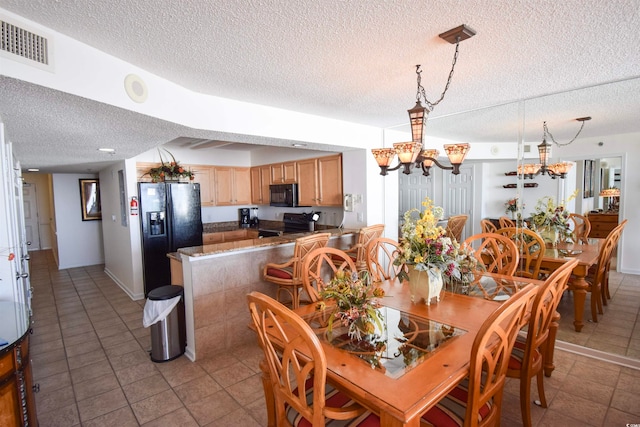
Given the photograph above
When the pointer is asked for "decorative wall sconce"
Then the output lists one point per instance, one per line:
(554, 170)
(410, 154)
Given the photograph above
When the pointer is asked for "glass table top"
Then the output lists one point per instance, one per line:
(404, 342)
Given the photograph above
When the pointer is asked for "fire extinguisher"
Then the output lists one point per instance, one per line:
(134, 206)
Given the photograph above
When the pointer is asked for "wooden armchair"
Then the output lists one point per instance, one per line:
(487, 226)
(477, 400)
(531, 249)
(319, 267)
(358, 252)
(294, 383)
(530, 351)
(381, 253)
(606, 295)
(455, 226)
(498, 253)
(288, 275)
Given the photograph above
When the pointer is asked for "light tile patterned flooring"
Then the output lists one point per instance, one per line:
(89, 356)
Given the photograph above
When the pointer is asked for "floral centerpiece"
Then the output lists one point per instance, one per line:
(169, 169)
(357, 307)
(425, 246)
(551, 220)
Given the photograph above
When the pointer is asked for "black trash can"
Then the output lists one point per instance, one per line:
(168, 335)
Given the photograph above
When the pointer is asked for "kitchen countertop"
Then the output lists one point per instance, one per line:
(196, 251)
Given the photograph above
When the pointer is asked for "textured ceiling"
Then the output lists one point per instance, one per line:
(350, 60)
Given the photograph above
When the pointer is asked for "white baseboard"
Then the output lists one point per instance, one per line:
(597, 354)
(134, 297)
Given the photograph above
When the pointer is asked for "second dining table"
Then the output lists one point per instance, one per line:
(587, 256)
(423, 353)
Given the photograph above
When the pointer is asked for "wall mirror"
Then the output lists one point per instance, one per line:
(90, 199)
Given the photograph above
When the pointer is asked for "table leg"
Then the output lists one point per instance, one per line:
(550, 345)
(268, 394)
(389, 421)
(579, 287)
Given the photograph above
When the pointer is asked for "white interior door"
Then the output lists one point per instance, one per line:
(458, 195)
(412, 189)
(31, 224)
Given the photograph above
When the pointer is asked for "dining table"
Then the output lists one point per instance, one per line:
(587, 256)
(421, 353)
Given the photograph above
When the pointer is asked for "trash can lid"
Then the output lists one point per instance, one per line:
(165, 292)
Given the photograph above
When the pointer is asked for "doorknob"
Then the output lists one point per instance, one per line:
(22, 275)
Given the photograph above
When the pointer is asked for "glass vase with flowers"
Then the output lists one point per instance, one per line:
(551, 219)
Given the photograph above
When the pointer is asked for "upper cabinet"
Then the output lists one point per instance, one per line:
(204, 176)
(284, 173)
(142, 171)
(233, 186)
(320, 181)
(260, 181)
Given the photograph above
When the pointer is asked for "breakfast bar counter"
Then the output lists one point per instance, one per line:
(218, 277)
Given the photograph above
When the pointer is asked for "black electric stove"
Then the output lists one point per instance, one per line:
(299, 222)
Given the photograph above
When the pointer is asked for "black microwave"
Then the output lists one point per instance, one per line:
(285, 195)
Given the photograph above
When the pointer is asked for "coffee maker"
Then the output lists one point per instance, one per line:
(245, 217)
(254, 217)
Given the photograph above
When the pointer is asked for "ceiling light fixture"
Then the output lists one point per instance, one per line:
(108, 150)
(411, 154)
(544, 151)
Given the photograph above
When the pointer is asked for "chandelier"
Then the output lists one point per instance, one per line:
(410, 154)
(554, 170)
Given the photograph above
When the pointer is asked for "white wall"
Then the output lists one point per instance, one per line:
(79, 242)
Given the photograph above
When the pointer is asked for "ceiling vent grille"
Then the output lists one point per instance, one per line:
(23, 43)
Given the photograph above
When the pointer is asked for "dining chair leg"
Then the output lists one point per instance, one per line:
(268, 394)
(525, 397)
(542, 398)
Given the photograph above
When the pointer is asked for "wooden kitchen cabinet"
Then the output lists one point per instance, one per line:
(284, 173)
(17, 402)
(204, 176)
(260, 181)
(233, 186)
(320, 181)
(229, 236)
(602, 224)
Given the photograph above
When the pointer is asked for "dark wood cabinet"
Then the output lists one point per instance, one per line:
(602, 224)
(17, 403)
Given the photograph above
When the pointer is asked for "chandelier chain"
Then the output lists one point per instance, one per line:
(421, 91)
(546, 132)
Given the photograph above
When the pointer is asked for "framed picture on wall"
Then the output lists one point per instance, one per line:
(588, 178)
(90, 199)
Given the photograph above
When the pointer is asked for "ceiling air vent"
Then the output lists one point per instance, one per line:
(24, 45)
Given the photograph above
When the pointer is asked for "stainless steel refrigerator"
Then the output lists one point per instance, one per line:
(171, 219)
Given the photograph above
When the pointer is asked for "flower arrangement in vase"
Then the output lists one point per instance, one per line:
(512, 206)
(551, 220)
(431, 254)
(169, 170)
(357, 307)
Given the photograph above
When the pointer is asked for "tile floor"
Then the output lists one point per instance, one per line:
(89, 355)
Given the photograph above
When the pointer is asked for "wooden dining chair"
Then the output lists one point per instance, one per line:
(530, 351)
(477, 400)
(597, 277)
(381, 253)
(294, 383)
(320, 266)
(487, 226)
(288, 275)
(498, 253)
(580, 228)
(358, 252)
(506, 222)
(455, 226)
(531, 250)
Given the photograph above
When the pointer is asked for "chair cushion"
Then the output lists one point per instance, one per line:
(335, 399)
(280, 273)
(450, 411)
(338, 258)
(517, 354)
